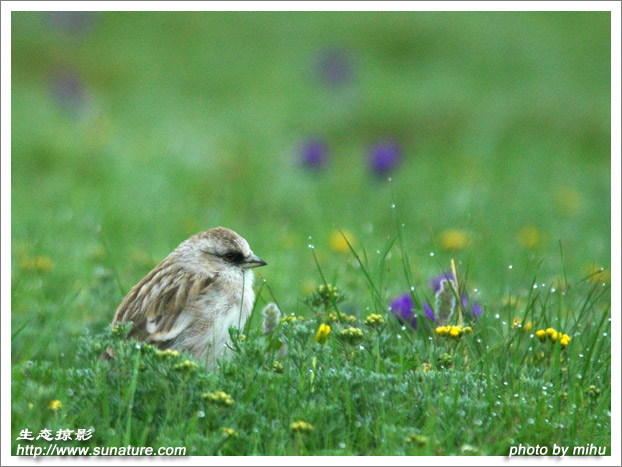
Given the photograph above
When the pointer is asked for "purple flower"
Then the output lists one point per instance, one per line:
(435, 282)
(70, 93)
(335, 67)
(404, 310)
(384, 157)
(73, 22)
(314, 154)
(429, 312)
(475, 308)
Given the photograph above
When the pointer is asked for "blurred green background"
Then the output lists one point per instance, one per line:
(131, 131)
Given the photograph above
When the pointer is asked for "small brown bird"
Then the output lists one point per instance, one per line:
(189, 300)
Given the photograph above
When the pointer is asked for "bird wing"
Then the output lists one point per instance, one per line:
(160, 305)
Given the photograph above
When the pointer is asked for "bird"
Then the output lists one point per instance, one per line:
(189, 301)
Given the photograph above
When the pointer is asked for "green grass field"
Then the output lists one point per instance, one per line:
(133, 131)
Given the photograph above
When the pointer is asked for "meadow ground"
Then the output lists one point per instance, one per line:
(422, 137)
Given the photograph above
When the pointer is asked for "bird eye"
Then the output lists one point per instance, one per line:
(233, 257)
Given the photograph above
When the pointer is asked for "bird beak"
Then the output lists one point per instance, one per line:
(253, 261)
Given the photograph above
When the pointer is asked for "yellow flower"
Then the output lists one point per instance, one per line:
(187, 365)
(322, 334)
(442, 330)
(517, 323)
(550, 332)
(529, 237)
(55, 405)
(301, 427)
(351, 334)
(597, 274)
(541, 334)
(455, 331)
(467, 330)
(37, 263)
(564, 340)
(308, 287)
(568, 202)
(426, 367)
(374, 320)
(338, 243)
(168, 353)
(419, 440)
(218, 398)
(453, 240)
(229, 432)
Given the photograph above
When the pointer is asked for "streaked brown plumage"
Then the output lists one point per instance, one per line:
(189, 300)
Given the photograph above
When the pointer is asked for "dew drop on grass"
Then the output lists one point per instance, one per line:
(504, 322)
(580, 376)
(531, 421)
(497, 316)
(201, 414)
(535, 286)
(475, 290)
(580, 355)
(342, 445)
(510, 266)
(505, 383)
(516, 395)
(393, 206)
(361, 347)
(403, 328)
(412, 289)
(552, 289)
(311, 246)
(431, 253)
(604, 334)
(399, 336)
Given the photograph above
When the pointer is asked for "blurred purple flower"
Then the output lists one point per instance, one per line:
(335, 66)
(429, 312)
(475, 309)
(384, 157)
(314, 154)
(72, 21)
(403, 309)
(69, 92)
(435, 282)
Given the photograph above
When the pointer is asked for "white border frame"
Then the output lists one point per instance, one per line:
(8, 6)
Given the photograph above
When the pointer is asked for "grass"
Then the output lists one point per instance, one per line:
(175, 123)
